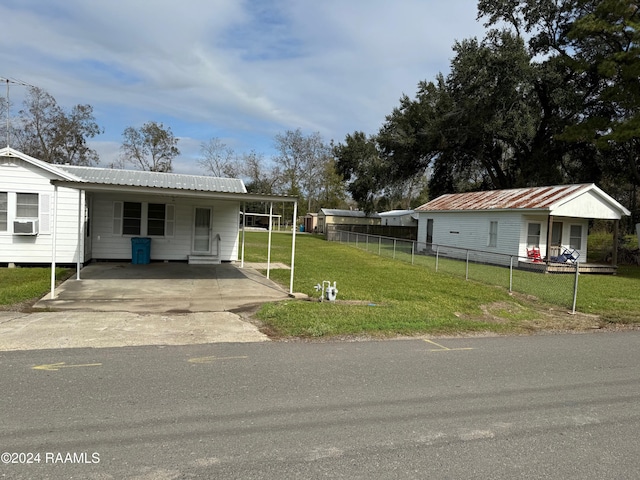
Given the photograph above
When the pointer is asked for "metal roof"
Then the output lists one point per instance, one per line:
(332, 212)
(533, 198)
(396, 213)
(109, 176)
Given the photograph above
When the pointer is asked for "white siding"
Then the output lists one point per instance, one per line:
(109, 245)
(18, 176)
(588, 205)
(470, 230)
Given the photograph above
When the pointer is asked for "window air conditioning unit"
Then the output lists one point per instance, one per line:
(25, 227)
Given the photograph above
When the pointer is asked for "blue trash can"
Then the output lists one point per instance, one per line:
(140, 250)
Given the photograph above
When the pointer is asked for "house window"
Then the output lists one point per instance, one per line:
(493, 234)
(156, 219)
(533, 235)
(131, 218)
(4, 207)
(27, 205)
(575, 237)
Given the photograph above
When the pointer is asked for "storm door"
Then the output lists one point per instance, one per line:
(202, 230)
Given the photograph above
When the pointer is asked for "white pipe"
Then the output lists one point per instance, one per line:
(53, 241)
(244, 219)
(80, 255)
(293, 246)
(270, 228)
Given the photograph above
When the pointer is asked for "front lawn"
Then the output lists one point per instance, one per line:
(26, 285)
(385, 297)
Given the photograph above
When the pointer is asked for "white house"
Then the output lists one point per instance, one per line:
(517, 221)
(332, 216)
(70, 215)
(399, 218)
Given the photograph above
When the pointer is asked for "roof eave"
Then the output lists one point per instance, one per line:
(238, 196)
(13, 153)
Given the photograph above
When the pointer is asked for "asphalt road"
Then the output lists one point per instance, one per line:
(564, 406)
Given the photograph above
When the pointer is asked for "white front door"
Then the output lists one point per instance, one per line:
(202, 230)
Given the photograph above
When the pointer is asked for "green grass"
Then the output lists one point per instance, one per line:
(19, 285)
(380, 296)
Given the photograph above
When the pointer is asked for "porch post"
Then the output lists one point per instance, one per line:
(80, 256)
(244, 219)
(549, 231)
(53, 241)
(269, 248)
(614, 253)
(293, 246)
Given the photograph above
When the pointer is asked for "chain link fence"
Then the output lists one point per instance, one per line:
(555, 283)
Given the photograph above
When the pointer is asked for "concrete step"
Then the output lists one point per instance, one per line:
(203, 260)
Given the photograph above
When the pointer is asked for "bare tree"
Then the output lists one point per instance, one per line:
(301, 159)
(218, 159)
(151, 147)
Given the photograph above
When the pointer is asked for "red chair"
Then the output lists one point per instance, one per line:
(534, 255)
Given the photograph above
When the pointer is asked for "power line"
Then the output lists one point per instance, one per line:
(14, 81)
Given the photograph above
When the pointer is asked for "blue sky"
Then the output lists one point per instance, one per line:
(242, 71)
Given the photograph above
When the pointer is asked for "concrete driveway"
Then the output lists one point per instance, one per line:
(118, 304)
(164, 288)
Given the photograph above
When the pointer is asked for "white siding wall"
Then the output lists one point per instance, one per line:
(107, 245)
(18, 176)
(470, 230)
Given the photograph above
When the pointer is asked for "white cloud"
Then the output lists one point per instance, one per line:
(243, 70)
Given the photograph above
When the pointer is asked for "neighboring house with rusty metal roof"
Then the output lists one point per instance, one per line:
(72, 214)
(514, 222)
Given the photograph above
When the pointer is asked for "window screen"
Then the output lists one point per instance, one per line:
(131, 218)
(27, 205)
(156, 219)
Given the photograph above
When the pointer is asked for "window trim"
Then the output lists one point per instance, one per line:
(137, 219)
(118, 228)
(5, 211)
(529, 235)
(27, 205)
(492, 241)
(572, 237)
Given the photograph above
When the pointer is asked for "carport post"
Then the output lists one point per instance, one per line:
(80, 235)
(293, 246)
(269, 248)
(53, 241)
(244, 217)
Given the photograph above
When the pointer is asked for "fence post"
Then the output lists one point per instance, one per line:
(413, 249)
(467, 274)
(437, 256)
(367, 244)
(394, 248)
(379, 246)
(575, 289)
(511, 275)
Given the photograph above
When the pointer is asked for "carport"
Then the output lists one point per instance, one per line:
(101, 181)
